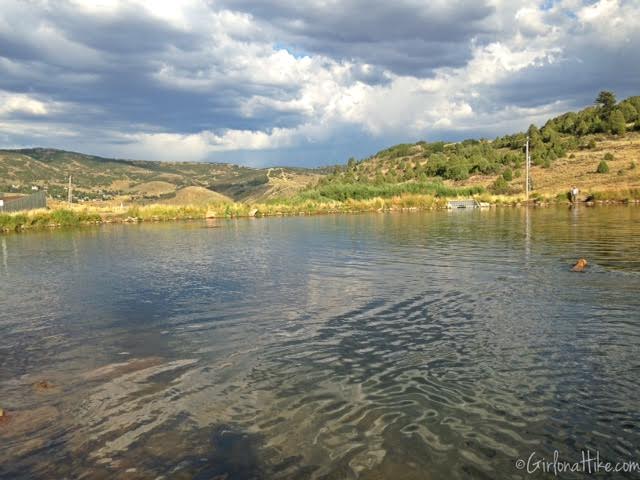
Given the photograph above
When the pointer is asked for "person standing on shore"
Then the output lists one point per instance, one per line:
(574, 194)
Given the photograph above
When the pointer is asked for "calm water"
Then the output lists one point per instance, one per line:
(419, 345)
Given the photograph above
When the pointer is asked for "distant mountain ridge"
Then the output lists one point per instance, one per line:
(97, 178)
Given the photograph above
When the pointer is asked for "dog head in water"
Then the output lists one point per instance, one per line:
(580, 265)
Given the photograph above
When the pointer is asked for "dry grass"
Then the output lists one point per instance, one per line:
(581, 170)
(197, 196)
(154, 188)
(73, 215)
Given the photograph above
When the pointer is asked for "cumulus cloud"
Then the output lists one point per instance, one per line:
(299, 83)
(20, 103)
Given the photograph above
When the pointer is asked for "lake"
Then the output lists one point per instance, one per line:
(444, 344)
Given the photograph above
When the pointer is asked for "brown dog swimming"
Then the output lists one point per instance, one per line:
(580, 265)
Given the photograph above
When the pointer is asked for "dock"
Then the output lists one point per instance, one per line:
(471, 203)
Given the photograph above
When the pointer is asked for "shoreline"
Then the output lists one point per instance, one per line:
(62, 216)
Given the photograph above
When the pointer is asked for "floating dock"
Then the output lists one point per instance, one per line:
(463, 204)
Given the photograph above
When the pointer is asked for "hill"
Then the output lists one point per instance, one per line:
(196, 196)
(106, 179)
(597, 149)
(567, 150)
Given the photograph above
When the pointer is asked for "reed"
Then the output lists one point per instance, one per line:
(304, 204)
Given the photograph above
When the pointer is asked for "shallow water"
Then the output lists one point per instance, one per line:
(417, 345)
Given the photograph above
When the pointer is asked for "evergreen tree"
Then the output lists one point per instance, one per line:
(606, 101)
(582, 128)
(617, 123)
(598, 126)
(629, 111)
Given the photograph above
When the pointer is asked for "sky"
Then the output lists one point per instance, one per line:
(300, 83)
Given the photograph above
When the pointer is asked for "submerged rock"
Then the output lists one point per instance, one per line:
(23, 422)
(44, 386)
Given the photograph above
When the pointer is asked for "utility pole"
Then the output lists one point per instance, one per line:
(70, 195)
(526, 169)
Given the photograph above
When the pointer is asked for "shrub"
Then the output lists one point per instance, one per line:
(617, 123)
(608, 156)
(500, 186)
(633, 165)
(603, 167)
(592, 144)
(457, 172)
(507, 175)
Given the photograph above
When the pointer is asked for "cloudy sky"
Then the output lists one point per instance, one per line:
(294, 82)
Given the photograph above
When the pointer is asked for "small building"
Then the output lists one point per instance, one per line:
(16, 203)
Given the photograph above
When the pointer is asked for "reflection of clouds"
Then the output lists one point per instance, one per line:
(133, 405)
(344, 342)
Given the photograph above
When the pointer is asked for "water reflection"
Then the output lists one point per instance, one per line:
(5, 255)
(431, 345)
(527, 235)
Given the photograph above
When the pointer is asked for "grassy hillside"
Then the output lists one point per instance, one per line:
(566, 151)
(96, 178)
(596, 149)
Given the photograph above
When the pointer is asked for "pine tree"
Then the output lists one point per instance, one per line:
(606, 100)
(617, 123)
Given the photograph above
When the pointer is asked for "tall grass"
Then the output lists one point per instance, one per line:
(146, 213)
(342, 198)
(619, 195)
(362, 191)
(46, 218)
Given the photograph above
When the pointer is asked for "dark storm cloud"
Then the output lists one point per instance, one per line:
(91, 79)
(402, 36)
(112, 66)
(584, 69)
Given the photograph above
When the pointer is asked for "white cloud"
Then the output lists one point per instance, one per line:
(198, 146)
(245, 75)
(531, 22)
(24, 104)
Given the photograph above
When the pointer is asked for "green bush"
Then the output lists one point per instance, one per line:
(507, 175)
(458, 171)
(500, 186)
(603, 167)
(362, 191)
(633, 165)
(608, 156)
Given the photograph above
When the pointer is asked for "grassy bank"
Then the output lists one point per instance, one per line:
(62, 215)
(65, 216)
(47, 218)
